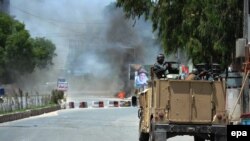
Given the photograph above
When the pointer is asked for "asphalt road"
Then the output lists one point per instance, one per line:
(92, 124)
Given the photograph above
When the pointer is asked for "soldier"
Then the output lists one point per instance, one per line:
(195, 75)
(160, 67)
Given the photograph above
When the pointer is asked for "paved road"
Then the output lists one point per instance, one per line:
(107, 124)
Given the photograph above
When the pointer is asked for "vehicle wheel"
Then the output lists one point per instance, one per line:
(198, 138)
(144, 136)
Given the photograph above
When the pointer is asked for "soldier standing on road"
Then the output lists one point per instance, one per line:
(160, 67)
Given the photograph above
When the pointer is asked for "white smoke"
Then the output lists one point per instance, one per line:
(91, 42)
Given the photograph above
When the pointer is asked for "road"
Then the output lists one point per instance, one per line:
(92, 124)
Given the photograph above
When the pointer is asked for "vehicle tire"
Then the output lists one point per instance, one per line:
(198, 138)
(144, 136)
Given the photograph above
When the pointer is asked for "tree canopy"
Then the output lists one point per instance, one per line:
(19, 52)
(207, 30)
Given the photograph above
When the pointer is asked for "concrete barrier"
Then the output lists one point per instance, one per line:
(83, 105)
(113, 103)
(125, 103)
(71, 105)
(101, 104)
(98, 104)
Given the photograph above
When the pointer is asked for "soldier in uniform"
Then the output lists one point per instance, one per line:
(195, 75)
(160, 67)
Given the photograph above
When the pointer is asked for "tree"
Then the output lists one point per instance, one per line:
(43, 50)
(205, 29)
(20, 53)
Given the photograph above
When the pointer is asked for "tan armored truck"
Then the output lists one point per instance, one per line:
(183, 107)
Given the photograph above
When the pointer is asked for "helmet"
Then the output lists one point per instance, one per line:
(160, 58)
(195, 71)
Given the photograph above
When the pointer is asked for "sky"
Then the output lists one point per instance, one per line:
(93, 42)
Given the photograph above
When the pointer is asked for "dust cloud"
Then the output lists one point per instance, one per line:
(94, 44)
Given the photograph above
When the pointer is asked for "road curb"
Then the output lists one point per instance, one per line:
(27, 113)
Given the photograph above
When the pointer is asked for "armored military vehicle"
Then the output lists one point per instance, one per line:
(171, 108)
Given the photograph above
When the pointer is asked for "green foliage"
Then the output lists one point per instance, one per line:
(56, 95)
(43, 50)
(20, 53)
(135, 8)
(206, 29)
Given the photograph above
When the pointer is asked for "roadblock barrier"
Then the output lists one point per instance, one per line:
(83, 105)
(98, 104)
(113, 104)
(71, 105)
(101, 104)
(104, 103)
(124, 103)
(116, 104)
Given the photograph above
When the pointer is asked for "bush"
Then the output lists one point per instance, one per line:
(56, 95)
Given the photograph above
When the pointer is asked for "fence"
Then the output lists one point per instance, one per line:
(12, 103)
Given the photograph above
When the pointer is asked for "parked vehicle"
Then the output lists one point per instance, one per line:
(183, 107)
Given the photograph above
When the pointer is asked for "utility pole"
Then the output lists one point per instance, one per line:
(245, 35)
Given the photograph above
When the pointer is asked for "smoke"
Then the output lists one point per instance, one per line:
(95, 43)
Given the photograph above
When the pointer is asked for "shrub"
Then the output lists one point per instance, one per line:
(56, 95)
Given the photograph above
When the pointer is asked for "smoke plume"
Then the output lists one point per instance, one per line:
(95, 43)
